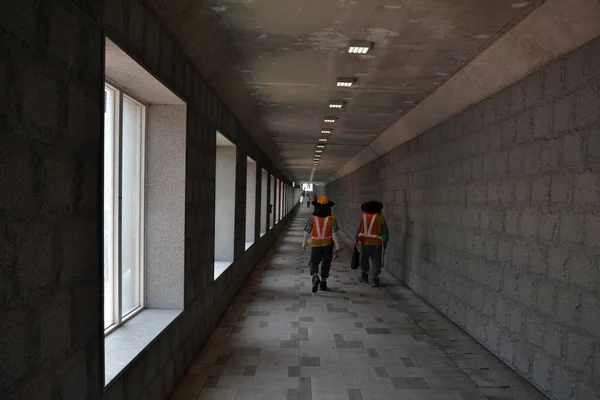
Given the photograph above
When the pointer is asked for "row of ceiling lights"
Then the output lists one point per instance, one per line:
(354, 47)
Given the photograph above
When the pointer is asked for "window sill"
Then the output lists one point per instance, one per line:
(125, 343)
(249, 244)
(220, 267)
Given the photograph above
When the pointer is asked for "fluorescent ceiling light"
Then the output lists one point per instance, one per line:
(336, 104)
(345, 82)
(320, 146)
(318, 151)
(359, 46)
(322, 140)
(331, 120)
(326, 131)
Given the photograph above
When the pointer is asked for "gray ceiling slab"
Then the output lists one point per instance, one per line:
(275, 62)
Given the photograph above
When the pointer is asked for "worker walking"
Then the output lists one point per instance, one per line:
(323, 228)
(373, 238)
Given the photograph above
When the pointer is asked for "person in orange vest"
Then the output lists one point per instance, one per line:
(323, 228)
(373, 238)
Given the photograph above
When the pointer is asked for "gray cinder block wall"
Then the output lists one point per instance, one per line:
(51, 118)
(495, 221)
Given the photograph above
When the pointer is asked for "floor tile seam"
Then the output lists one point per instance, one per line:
(434, 343)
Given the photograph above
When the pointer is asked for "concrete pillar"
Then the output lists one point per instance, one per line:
(285, 200)
(250, 201)
(225, 203)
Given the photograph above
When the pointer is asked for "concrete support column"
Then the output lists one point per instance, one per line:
(285, 199)
(239, 246)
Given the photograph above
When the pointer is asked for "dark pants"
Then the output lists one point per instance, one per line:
(323, 255)
(373, 253)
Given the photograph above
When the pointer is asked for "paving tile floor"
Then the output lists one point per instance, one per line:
(278, 341)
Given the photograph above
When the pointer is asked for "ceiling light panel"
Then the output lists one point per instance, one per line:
(345, 82)
(336, 104)
(322, 140)
(331, 120)
(320, 146)
(326, 131)
(318, 151)
(359, 46)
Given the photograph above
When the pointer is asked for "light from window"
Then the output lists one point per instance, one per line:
(109, 202)
(250, 201)
(225, 187)
(123, 207)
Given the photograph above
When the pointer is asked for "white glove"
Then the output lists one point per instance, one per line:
(336, 242)
(305, 240)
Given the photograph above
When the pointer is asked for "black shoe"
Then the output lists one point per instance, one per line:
(375, 282)
(315, 281)
(364, 277)
(324, 285)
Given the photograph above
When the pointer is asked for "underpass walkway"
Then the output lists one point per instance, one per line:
(280, 341)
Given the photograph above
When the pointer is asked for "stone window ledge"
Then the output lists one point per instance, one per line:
(221, 266)
(124, 344)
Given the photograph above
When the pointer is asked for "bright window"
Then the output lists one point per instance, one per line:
(226, 159)
(272, 204)
(250, 202)
(124, 137)
(264, 215)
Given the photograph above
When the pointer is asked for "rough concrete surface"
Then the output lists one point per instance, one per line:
(494, 221)
(51, 113)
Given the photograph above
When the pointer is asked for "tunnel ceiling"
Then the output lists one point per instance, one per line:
(275, 63)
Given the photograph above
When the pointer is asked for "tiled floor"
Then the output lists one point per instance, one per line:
(279, 341)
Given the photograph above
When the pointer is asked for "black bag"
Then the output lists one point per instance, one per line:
(355, 258)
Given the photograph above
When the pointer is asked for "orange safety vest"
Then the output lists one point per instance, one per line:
(321, 233)
(370, 230)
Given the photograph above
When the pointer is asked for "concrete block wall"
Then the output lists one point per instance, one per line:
(495, 220)
(51, 129)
